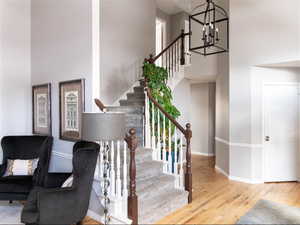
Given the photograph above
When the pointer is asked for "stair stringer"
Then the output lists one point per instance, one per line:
(123, 96)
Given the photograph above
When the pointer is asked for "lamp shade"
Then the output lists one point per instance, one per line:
(103, 126)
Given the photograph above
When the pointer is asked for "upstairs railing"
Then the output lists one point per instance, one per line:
(173, 56)
(170, 141)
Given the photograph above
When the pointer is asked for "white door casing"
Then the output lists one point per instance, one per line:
(281, 131)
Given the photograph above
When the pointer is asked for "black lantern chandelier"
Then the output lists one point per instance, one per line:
(211, 23)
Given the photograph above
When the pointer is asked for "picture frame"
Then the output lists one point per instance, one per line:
(71, 107)
(41, 109)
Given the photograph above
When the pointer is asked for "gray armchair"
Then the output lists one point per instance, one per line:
(64, 205)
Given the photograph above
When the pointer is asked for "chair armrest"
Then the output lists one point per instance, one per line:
(2, 170)
(59, 206)
(56, 180)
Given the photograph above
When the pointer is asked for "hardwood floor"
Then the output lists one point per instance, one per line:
(217, 200)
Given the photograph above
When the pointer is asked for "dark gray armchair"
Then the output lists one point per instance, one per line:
(24, 147)
(64, 205)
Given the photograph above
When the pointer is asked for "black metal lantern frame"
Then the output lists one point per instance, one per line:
(211, 18)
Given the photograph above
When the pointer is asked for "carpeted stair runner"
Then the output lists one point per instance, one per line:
(157, 196)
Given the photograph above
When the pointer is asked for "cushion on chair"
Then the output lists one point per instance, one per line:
(16, 184)
(20, 167)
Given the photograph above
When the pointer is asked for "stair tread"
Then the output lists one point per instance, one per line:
(127, 109)
(132, 100)
(165, 203)
(137, 94)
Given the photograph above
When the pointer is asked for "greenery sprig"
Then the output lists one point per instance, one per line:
(157, 82)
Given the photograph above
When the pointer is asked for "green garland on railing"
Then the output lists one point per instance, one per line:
(157, 82)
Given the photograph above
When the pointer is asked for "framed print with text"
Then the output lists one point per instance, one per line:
(71, 107)
(41, 109)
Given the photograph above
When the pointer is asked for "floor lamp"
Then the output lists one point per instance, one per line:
(102, 128)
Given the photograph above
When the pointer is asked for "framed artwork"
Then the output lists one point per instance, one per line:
(41, 109)
(71, 107)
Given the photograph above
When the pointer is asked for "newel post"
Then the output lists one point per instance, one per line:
(188, 172)
(132, 198)
(182, 52)
(151, 59)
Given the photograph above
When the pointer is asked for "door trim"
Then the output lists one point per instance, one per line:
(263, 122)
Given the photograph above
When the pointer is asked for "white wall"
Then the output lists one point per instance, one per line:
(182, 101)
(258, 36)
(203, 118)
(15, 97)
(62, 50)
(222, 106)
(127, 38)
(167, 19)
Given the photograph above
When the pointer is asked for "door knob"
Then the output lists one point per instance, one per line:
(267, 138)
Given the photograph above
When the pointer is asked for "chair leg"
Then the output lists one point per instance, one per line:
(10, 201)
(79, 223)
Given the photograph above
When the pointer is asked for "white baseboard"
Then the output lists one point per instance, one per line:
(239, 179)
(245, 180)
(221, 171)
(203, 154)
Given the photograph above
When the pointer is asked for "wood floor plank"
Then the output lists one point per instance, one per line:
(217, 200)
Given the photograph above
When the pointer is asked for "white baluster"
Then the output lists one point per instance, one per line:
(158, 136)
(125, 188)
(181, 174)
(113, 174)
(100, 167)
(147, 121)
(118, 182)
(164, 145)
(153, 146)
(170, 148)
(175, 160)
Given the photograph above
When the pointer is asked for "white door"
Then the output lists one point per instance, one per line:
(281, 132)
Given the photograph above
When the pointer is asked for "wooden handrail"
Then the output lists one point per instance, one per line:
(166, 49)
(171, 118)
(100, 105)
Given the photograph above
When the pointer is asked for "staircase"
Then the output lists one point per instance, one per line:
(156, 190)
(155, 179)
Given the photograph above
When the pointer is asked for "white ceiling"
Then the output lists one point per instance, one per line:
(172, 7)
(168, 6)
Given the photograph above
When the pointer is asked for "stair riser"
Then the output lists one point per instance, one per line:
(129, 103)
(139, 89)
(136, 98)
(136, 95)
(139, 110)
(144, 174)
(144, 189)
